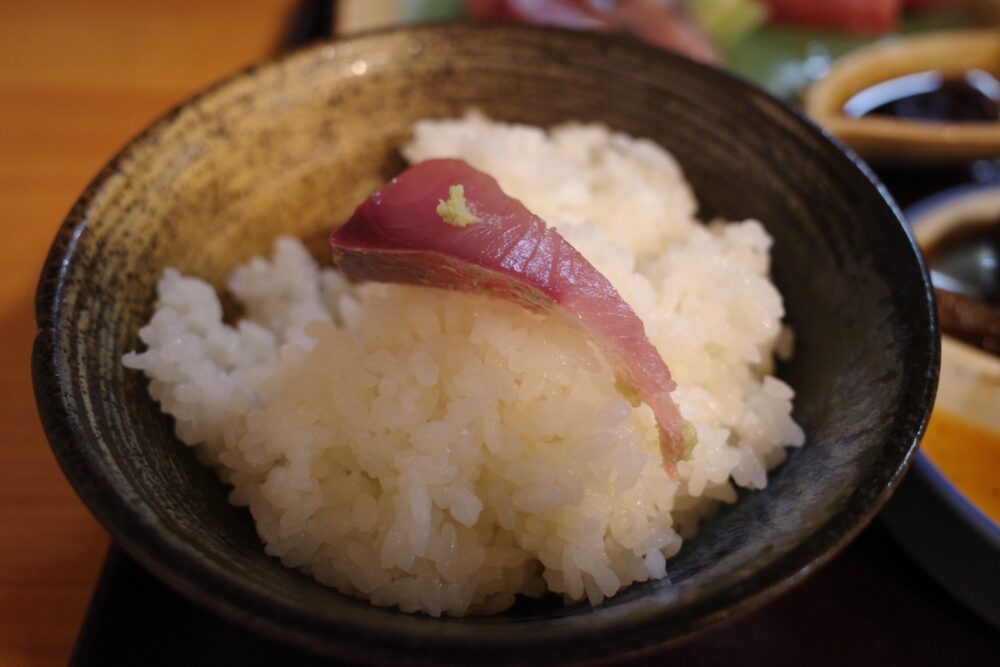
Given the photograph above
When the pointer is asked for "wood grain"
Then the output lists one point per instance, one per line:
(78, 78)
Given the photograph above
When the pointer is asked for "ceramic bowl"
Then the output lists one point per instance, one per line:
(933, 518)
(292, 146)
(905, 141)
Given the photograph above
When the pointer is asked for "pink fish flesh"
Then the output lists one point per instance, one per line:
(402, 234)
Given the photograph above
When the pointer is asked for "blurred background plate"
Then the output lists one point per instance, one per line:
(946, 513)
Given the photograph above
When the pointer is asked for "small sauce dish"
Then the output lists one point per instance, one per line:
(928, 98)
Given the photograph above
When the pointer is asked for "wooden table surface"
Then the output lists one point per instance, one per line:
(78, 78)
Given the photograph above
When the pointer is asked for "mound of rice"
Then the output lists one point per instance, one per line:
(443, 452)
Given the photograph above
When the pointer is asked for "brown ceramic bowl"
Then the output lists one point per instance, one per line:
(293, 145)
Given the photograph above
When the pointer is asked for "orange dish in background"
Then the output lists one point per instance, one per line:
(956, 231)
(968, 454)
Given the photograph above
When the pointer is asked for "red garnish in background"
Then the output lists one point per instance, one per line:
(858, 16)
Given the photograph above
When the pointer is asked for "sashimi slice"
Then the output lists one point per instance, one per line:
(444, 224)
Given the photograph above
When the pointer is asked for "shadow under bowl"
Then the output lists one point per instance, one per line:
(291, 146)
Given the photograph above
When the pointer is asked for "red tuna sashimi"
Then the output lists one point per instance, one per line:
(445, 224)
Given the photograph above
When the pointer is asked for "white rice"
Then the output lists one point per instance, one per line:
(443, 452)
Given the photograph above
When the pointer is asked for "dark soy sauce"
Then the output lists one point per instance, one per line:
(965, 267)
(931, 96)
(970, 253)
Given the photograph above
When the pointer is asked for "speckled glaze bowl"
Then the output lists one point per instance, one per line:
(292, 146)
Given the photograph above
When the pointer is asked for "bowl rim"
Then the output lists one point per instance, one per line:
(944, 204)
(643, 630)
